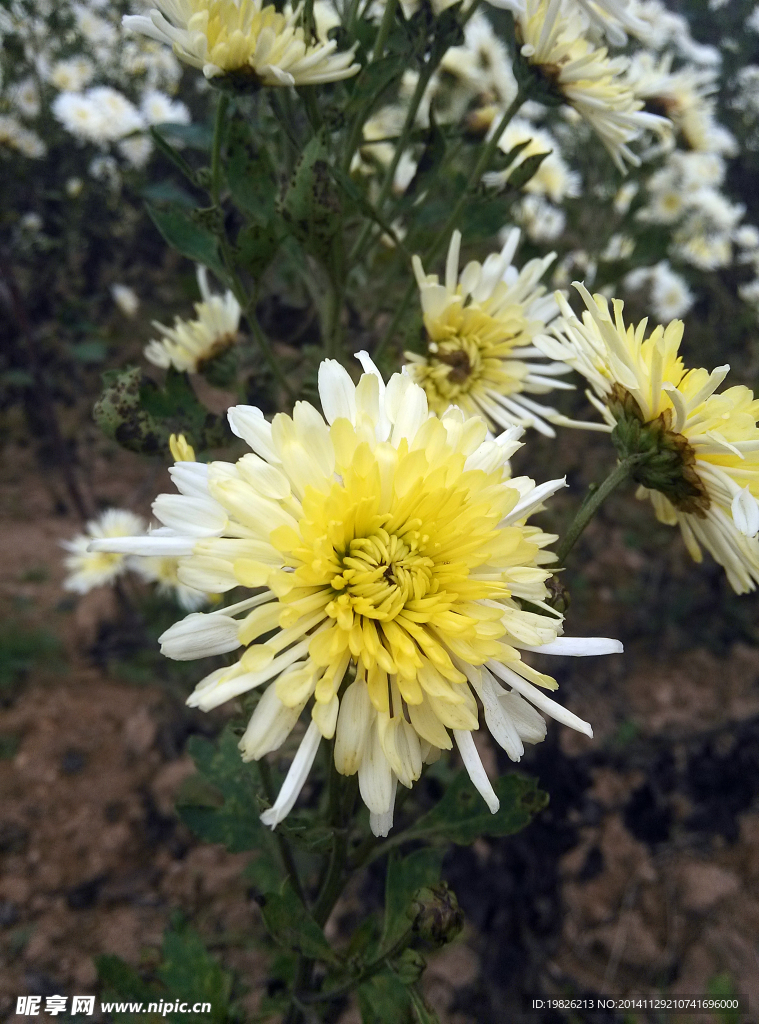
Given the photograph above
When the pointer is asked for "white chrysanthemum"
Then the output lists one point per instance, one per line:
(89, 569)
(244, 38)
(388, 553)
(25, 96)
(712, 490)
(542, 221)
(583, 76)
(190, 343)
(158, 108)
(71, 75)
(481, 326)
(136, 150)
(99, 115)
(671, 298)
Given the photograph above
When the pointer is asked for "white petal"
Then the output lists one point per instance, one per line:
(296, 777)
(539, 699)
(337, 392)
(198, 517)
(269, 726)
(353, 725)
(473, 765)
(745, 511)
(380, 824)
(200, 635)
(374, 776)
(579, 646)
(531, 501)
(248, 423)
(147, 545)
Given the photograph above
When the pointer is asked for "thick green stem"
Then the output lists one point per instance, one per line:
(478, 170)
(595, 497)
(284, 847)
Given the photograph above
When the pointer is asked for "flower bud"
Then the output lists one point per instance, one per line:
(436, 915)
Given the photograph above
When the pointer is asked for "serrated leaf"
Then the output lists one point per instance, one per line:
(120, 415)
(191, 974)
(293, 928)
(405, 875)
(187, 237)
(235, 821)
(462, 816)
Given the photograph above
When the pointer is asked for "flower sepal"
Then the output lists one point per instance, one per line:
(663, 460)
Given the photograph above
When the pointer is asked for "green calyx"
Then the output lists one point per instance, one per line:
(663, 460)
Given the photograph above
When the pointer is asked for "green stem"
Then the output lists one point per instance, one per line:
(478, 170)
(595, 497)
(388, 17)
(368, 972)
(284, 847)
(218, 134)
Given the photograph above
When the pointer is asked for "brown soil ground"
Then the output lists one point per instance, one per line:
(641, 876)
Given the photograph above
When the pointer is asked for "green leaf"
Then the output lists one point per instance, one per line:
(172, 154)
(250, 174)
(120, 415)
(462, 816)
(422, 1012)
(372, 81)
(257, 245)
(526, 170)
(191, 974)
(168, 192)
(224, 776)
(120, 982)
(190, 239)
(501, 161)
(193, 136)
(310, 206)
(293, 928)
(405, 875)
(384, 1000)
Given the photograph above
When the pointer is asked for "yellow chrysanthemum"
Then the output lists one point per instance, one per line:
(243, 38)
(553, 42)
(706, 480)
(481, 326)
(388, 554)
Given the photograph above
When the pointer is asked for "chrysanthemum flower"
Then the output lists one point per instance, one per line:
(245, 39)
(481, 325)
(575, 72)
(703, 475)
(89, 569)
(388, 555)
(190, 343)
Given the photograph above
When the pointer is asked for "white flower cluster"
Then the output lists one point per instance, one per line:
(101, 87)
